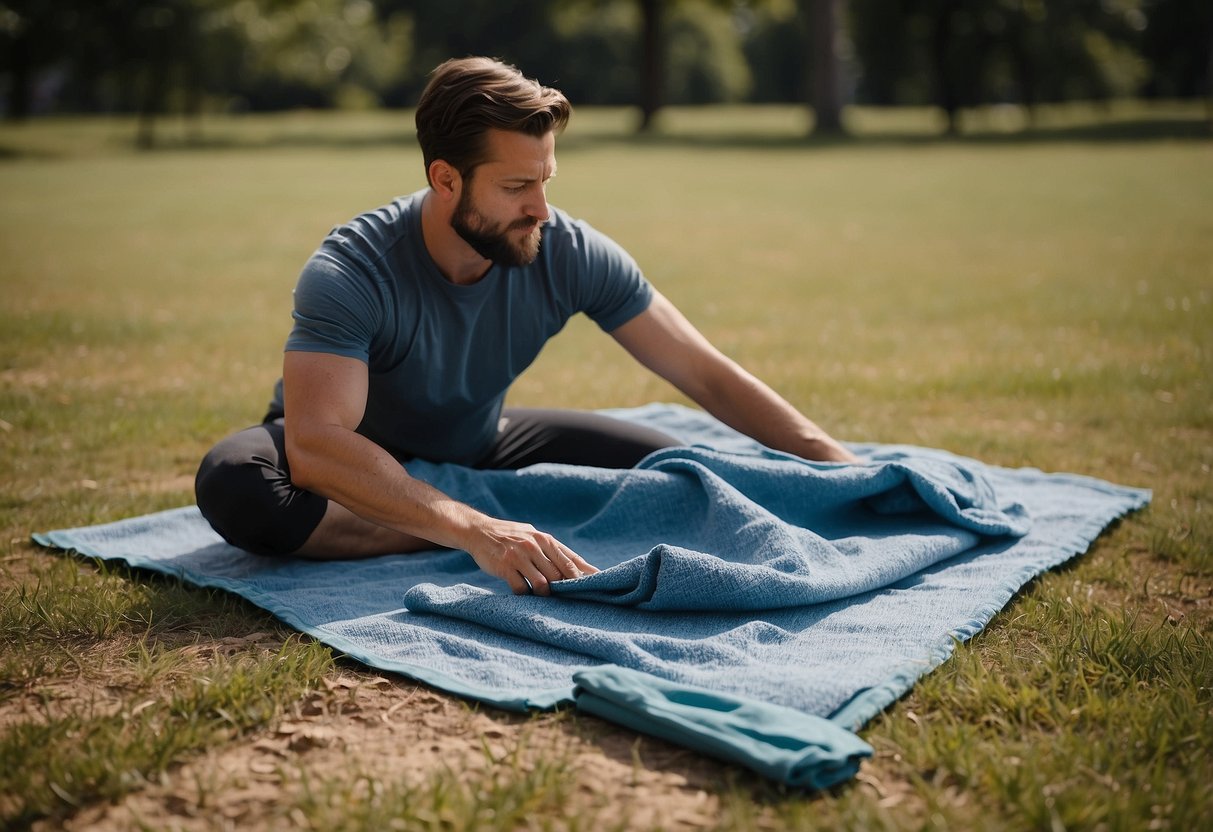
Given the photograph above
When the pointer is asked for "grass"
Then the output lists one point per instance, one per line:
(1040, 299)
(86, 753)
(503, 795)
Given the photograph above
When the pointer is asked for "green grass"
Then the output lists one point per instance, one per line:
(1041, 298)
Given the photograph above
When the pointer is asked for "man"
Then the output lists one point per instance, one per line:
(412, 320)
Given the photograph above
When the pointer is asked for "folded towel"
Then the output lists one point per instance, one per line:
(799, 749)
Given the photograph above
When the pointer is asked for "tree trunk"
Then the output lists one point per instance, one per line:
(1209, 82)
(651, 79)
(192, 94)
(823, 51)
(1025, 70)
(20, 59)
(941, 46)
(151, 104)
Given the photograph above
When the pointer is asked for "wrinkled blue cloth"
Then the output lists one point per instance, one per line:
(739, 586)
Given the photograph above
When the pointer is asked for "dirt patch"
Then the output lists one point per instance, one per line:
(363, 727)
(97, 680)
(1159, 592)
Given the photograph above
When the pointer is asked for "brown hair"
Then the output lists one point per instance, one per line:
(468, 96)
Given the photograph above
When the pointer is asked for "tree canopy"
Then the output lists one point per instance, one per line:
(154, 56)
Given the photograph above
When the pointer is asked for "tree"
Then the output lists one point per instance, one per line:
(962, 53)
(794, 47)
(691, 53)
(1177, 40)
(151, 57)
(826, 99)
(36, 35)
(163, 52)
(652, 79)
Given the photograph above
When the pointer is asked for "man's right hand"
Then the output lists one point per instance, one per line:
(526, 558)
(325, 401)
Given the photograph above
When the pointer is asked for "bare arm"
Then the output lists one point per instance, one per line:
(325, 397)
(663, 340)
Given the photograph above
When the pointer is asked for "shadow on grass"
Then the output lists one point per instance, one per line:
(1132, 131)
(352, 141)
(1112, 131)
(19, 148)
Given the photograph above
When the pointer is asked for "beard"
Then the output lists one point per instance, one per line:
(497, 243)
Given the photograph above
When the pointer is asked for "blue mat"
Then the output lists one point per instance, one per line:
(752, 605)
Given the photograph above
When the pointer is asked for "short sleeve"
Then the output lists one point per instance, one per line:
(337, 308)
(611, 289)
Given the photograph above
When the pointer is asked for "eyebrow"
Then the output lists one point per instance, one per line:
(522, 177)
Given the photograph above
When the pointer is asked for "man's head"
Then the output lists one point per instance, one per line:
(467, 97)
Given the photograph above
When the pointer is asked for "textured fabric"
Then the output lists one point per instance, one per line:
(441, 356)
(243, 486)
(822, 588)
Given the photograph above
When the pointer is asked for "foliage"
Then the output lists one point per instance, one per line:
(155, 56)
(606, 68)
(773, 40)
(1177, 37)
(1027, 51)
(320, 53)
(704, 59)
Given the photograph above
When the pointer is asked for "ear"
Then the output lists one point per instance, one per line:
(445, 181)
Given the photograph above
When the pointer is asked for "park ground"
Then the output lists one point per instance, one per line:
(1030, 297)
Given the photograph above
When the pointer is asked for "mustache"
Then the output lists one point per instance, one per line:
(524, 225)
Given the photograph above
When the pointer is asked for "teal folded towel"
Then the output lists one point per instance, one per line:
(799, 749)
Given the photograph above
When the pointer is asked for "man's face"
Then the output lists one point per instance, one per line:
(504, 201)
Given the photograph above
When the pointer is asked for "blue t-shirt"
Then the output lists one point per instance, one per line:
(441, 356)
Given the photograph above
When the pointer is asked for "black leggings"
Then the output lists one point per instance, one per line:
(244, 487)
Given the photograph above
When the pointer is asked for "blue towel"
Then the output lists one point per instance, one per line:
(752, 605)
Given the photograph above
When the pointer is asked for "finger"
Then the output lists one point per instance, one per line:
(570, 563)
(518, 584)
(561, 557)
(548, 559)
(583, 566)
(537, 580)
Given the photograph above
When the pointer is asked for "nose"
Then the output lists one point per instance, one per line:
(537, 206)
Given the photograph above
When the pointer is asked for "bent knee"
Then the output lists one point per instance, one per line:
(244, 490)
